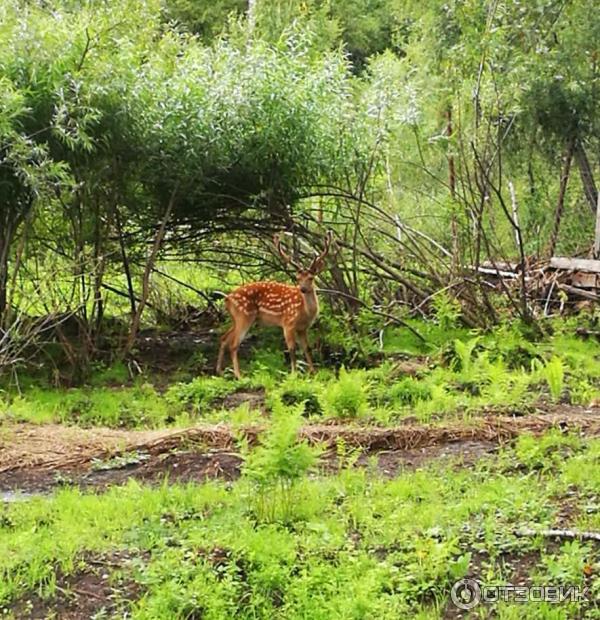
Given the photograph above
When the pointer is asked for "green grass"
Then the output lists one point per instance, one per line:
(283, 542)
(500, 370)
(139, 406)
(360, 547)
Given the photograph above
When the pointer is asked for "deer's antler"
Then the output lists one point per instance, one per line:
(286, 258)
(318, 262)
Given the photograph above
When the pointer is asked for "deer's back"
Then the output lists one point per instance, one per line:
(267, 299)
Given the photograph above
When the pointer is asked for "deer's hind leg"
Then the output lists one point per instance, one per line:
(243, 322)
(222, 347)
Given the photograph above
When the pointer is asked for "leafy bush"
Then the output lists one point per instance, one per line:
(409, 391)
(346, 397)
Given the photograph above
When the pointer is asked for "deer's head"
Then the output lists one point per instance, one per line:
(305, 276)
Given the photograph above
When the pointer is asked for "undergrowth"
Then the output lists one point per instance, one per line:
(350, 545)
(502, 370)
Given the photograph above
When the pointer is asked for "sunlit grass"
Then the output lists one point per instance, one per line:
(360, 545)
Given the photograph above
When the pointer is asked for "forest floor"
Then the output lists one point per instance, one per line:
(38, 458)
(128, 498)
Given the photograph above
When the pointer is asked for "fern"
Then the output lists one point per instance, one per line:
(278, 465)
(348, 396)
(464, 352)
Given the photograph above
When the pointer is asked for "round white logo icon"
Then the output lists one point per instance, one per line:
(466, 593)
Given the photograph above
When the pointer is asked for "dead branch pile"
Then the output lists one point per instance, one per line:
(551, 285)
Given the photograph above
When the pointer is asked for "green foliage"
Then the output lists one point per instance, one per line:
(204, 19)
(367, 546)
(115, 374)
(510, 343)
(296, 390)
(277, 466)
(553, 372)
(582, 393)
(268, 360)
(339, 342)
(548, 451)
(464, 356)
(202, 393)
(408, 391)
(347, 397)
(131, 407)
(485, 372)
(446, 310)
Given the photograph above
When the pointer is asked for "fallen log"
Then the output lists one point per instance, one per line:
(575, 264)
(574, 290)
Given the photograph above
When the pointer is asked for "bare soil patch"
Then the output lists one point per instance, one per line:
(390, 463)
(189, 466)
(93, 588)
(255, 399)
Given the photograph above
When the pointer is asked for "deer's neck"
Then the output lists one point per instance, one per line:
(311, 305)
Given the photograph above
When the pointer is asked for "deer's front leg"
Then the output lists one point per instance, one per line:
(303, 338)
(290, 340)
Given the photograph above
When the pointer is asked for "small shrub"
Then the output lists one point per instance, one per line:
(582, 393)
(447, 311)
(296, 390)
(409, 391)
(278, 465)
(307, 397)
(347, 396)
(464, 356)
(509, 344)
(554, 373)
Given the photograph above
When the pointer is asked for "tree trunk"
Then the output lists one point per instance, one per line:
(3, 281)
(158, 239)
(452, 185)
(560, 205)
(587, 177)
(125, 259)
(6, 235)
(451, 167)
(252, 15)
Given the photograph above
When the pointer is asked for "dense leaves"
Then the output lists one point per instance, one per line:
(198, 131)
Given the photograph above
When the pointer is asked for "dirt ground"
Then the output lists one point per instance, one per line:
(85, 593)
(38, 458)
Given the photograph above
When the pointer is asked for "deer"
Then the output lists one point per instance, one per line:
(294, 308)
